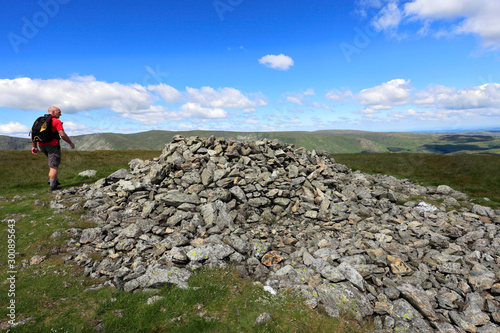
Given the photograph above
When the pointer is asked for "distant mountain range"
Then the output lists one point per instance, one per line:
(332, 141)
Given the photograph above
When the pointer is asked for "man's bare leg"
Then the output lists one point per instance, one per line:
(53, 176)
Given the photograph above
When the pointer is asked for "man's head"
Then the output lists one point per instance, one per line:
(55, 111)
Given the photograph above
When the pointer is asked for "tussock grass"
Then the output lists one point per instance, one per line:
(55, 296)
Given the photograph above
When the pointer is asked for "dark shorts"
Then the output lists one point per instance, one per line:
(53, 154)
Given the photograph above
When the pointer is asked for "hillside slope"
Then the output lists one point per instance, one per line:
(332, 141)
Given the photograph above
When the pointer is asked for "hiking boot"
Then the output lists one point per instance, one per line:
(54, 188)
(57, 182)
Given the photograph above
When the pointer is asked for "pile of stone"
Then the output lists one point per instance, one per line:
(372, 245)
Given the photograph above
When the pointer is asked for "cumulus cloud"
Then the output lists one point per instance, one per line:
(280, 62)
(13, 127)
(223, 98)
(194, 110)
(478, 17)
(134, 101)
(477, 97)
(387, 95)
(168, 93)
(72, 95)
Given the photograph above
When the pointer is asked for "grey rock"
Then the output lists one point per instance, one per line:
(156, 173)
(176, 198)
(481, 278)
(125, 244)
(489, 328)
(89, 204)
(259, 249)
(444, 189)
(158, 275)
(404, 310)
(445, 327)
(259, 202)
(132, 231)
(462, 323)
(419, 299)
(238, 193)
(352, 275)
(117, 175)
(88, 173)
(217, 213)
(326, 253)
(345, 297)
(483, 211)
(89, 235)
(153, 299)
(263, 319)
(239, 245)
(210, 251)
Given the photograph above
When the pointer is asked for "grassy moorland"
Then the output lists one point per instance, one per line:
(51, 294)
(476, 175)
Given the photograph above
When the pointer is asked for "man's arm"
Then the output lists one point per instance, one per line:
(34, 148)
(66, 138)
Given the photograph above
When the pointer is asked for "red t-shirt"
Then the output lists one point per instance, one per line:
(56, 126)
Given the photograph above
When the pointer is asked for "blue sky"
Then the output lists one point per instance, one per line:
(239, 65)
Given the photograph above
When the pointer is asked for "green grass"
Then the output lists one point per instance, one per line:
(56, 296)
(22, 171)
(476, 175)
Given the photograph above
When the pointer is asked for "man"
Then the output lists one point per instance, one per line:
(52, 149)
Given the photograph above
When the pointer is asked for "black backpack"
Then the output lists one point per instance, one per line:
(41, 131)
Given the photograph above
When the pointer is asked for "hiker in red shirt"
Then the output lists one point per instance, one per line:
(52, 149)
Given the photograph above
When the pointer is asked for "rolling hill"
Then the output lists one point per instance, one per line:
(332, 141)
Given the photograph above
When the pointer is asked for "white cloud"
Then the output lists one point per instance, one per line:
(388, 18)
(439, 9)
(477, 97)
(364, 5)
(387, 95)
(75, 94)
(223, 98)
(320, 106)
(134, 101)
(478, 17)
(369, 113)
(194, 110)
(68, 125)
(13, 127)
(168, 93)
(151, 115)
(336, 95)
(298, 97)
(280, 62)
(186, 127)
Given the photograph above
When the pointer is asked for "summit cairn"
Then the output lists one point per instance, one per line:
(295, 219)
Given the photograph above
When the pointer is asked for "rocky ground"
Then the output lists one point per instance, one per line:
(412, 258)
